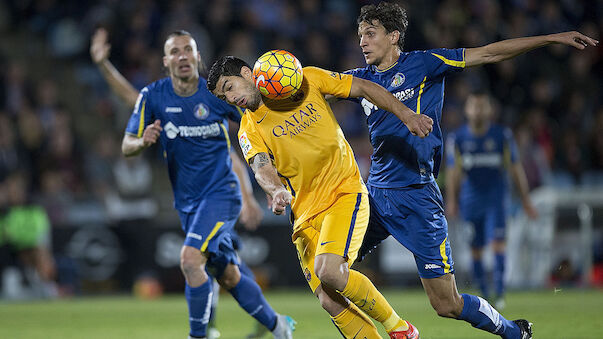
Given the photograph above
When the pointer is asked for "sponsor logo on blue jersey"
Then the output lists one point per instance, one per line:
(205, 131)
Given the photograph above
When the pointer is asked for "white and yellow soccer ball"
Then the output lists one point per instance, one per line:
(277, 74)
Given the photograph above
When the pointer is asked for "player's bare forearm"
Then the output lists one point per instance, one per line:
(521, 182)
(510, 48)
(99, 52)
(131, 145)
(453, 178)
(118, 84)
(265, 174)
(420, 125)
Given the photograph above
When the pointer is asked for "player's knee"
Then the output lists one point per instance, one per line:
(329, 271)
(191, 261)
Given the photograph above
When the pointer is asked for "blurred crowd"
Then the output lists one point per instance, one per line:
(61, 128)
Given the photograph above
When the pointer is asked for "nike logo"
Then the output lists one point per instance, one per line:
(260, 78)
(326, 242)
(264, 117)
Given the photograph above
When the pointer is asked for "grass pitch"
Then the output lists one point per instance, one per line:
(566, 314)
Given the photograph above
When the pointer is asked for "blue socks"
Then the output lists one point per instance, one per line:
(480, 314)
(249, 296)
(499, 275)
(199, 305)
(479, 277)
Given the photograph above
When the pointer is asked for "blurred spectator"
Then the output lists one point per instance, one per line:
(25, 228)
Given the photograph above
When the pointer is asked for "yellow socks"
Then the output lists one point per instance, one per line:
(353, 323)
(361, 291)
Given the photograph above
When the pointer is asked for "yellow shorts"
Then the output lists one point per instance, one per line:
(338, 230)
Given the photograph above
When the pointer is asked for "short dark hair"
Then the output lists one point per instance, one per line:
(225, 66)
(179, 32)
(392, 16)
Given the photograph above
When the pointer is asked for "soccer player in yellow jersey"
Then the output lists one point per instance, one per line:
(300, 157)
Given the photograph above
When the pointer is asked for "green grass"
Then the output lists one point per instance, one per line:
(571, 314)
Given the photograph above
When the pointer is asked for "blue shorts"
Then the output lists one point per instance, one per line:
(209, 228)
(414, 216)
(488, 223)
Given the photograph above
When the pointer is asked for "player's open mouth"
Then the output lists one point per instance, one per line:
(241, 102)
(184, 68)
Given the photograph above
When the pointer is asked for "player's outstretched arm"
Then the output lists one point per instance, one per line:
(132, 145)
(267, 177)
(418, 124)
(99, 52)
(510, 48)
(251, 212)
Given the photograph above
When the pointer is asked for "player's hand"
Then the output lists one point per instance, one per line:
(530, 211)
(576, 39)
(151, 133)
(99, 47)
(419, 124)
(280, 200)
(251, 214)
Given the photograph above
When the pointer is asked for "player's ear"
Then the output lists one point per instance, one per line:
(394, 36)
(246, 72)
(165, 61)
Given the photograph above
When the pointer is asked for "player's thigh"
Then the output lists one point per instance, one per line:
(208, 229)
(343, 227)
(418, 223)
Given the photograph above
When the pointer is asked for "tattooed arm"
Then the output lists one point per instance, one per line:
(267, 177)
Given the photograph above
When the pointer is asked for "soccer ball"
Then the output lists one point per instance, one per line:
(277, 74)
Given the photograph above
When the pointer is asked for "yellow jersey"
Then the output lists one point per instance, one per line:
(306, 144)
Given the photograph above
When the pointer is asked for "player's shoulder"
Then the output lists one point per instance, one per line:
(361, 72)
(160, 85)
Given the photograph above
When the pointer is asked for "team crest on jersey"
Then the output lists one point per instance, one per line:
(398, 80)
(307, 274)
(201, 112)
(335, 75)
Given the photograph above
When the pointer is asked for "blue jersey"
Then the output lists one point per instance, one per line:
(194, 139)
(484, 160)
(417, 79)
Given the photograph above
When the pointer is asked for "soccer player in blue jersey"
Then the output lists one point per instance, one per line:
(191, 126)
(405, 199)
(480, 153)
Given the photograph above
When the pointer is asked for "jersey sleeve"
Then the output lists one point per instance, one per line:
(510, 147)
(452, 154)
(354, 72)
(442, 61)
(141, 116)
(334, 83)
(250, 140)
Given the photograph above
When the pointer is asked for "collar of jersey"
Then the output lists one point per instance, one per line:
(390, 67)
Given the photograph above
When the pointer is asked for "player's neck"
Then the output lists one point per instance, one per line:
(479, 128)
(389, 59)
(185, 87)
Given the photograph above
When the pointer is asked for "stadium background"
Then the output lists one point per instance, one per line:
(112, 219)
